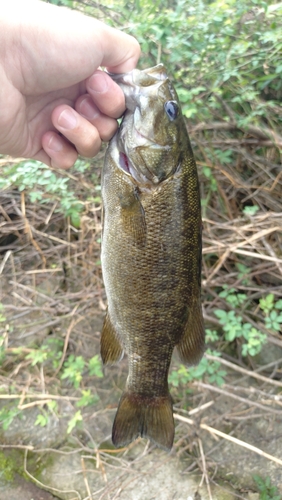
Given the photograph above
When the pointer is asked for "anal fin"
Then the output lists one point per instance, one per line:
(111, 348)
(192, 344)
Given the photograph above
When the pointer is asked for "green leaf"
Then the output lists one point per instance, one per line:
(37, 356)
(76, 419)
(87, 399)
(250, 210)
(95, 366)
(41, 420)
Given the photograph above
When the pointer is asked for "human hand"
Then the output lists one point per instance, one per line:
(54, 102)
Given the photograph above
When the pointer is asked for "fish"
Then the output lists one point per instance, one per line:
(150, 254)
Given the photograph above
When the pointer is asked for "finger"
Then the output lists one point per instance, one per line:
(105, 125)
(79, 131)
(43, 157)
(106, 94)
(61, 153)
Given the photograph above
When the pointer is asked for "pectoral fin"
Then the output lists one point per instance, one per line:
(111, 349)
(133, 218)
(192, 344)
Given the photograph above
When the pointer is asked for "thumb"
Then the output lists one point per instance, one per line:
(120, 51)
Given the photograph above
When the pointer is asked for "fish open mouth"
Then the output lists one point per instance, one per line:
(141, 178)
(125, 163)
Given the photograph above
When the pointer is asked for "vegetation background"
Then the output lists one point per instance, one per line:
(225, 58)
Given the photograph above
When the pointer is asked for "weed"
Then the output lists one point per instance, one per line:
(74, 421)
(250, 210)
(208, 370)
(2, 314)
(73, 369)
(74, 366)
(6, 468)
(266, 490)
(234, 327)
(37, 355)
(95, 367)
(43, 185)
(43, 418)
(87, 399)
(7, 415)
(271, 309)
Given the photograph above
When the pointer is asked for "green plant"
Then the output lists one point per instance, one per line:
(250, 210)
(74, 366)
(72, 369)
(266, 490)
(243, 272)
(95, 367)
(271, 309)
(3, 337)
(233, 325)
(74, 421)
(67, 3)
(235, 328)
(87, 399)
(43, 418)
(37, 356)
(232, 297)
(7, 415)
(2, 314)
(43, 185)
(207, 370)
(222, 46)
(50, 351)
(6, 468)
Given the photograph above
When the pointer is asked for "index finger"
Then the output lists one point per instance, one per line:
(106, 94)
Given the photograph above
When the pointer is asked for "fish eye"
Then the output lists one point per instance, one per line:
(171, 109)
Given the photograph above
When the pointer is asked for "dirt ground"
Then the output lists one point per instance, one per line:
(53, 298)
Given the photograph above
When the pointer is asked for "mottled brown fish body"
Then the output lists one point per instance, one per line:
(151, 254)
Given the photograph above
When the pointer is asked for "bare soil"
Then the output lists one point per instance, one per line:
(51, 288)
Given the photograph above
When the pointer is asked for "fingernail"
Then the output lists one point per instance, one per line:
(98, 83)
(88, 109)
(67, 119)
(55, 144)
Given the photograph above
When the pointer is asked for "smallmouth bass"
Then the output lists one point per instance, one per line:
(151, 253)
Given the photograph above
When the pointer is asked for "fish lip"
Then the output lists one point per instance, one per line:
(144, 136)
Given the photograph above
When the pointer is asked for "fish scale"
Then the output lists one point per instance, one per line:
(151, 254)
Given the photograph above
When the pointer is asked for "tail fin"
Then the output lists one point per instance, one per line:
(146, 417)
